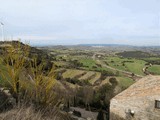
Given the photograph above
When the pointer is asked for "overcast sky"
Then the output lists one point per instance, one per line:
(135, 22)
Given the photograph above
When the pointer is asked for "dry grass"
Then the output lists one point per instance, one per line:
(105, 81)
(87, 75)
(29, 113)
(36, 89)
(72, 73)
(97, 77)
(29, 84)
(21, 114)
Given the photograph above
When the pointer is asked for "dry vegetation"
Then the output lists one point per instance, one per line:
(29, 113)
(29, 84)
(96, 78)
(70, 73)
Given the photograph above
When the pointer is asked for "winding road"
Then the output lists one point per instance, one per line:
(130, 74)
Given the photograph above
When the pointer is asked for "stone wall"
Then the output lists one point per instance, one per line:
(139, 98)
(144, 108)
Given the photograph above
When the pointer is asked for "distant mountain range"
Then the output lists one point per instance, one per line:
(103, 45)
(112, 45)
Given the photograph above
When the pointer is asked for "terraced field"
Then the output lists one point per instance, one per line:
(73, 86)
(82, 75)
(105, 81)
(88, 76)
(72, 73)
(61, 63)
(96, 78)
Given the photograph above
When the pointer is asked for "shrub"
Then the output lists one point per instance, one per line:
(30, 83)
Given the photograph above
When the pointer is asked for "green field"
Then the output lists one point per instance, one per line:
(136, 67)
(155, 69)
(89, 63)
(126, 64)
(123, 82)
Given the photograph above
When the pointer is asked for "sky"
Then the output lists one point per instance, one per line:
(65, 22)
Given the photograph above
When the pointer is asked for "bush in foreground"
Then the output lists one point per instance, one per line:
(29, 113)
